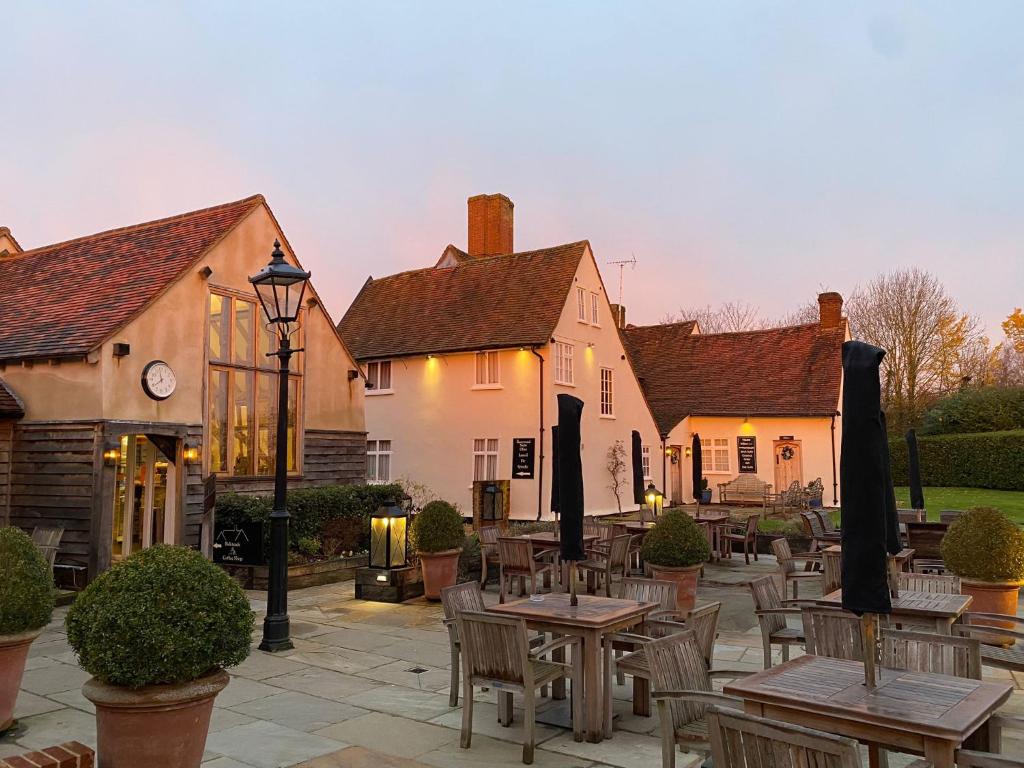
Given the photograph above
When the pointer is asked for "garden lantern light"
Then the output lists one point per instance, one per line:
(655, 499)
(493, 502)
(389, 536)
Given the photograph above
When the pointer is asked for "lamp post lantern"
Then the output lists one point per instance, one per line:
(655, 499)
(280, 288)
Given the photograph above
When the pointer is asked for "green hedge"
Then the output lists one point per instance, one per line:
(311, 509)
(984, 409)
(978, 460)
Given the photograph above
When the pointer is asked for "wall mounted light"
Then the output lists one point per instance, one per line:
(353, 374)
(122, 349)
(111, 456)
(191, 454)
(689, 451)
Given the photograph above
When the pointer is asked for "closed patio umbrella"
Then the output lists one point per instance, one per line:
(870, 531)
(914, 470)
(570, 483)
(698, 467)
(554, 471)
(638, 469)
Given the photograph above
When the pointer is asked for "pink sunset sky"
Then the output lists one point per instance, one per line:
(741, 151)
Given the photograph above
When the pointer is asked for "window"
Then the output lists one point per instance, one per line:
(645, 461)
(563, 363)
(378, 461)
(607, 405)
(594, 303)
(485, 458)
(581, 305)
(242, 405)
(714, 454)
(487, 373)
(378, 377)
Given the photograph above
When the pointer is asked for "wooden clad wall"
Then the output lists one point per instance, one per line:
(6, 438)
(192, 509)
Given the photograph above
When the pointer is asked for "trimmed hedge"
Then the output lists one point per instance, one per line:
(984, 409)
(978, 460)
(311, 509)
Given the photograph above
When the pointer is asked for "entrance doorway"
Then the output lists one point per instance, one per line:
(789, 464)
(144, 496)
(676, 474)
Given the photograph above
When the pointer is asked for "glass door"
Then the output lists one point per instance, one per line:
(143, 497)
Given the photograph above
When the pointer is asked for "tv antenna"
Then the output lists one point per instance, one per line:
(621, 264)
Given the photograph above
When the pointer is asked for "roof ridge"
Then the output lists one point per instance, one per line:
(703, 335)
(253, 199)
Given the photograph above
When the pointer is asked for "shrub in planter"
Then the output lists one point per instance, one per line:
(676, 549)
(26, 604)
(156, 632)
(439, 536)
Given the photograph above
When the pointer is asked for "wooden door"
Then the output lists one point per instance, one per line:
(675, 493)
(788, 464)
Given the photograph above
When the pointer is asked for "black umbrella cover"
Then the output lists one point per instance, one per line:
(638, 469)
(570, 478)
(554, 470)
(698, 467)
(869, 506)
(914, 467)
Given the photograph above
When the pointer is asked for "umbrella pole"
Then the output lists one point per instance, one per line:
(868, 627)
(572, 586)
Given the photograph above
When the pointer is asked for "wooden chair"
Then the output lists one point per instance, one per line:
(454, 599)
(814, 528)
(739, 740)
(771, 611)
(831, 570)
(488, 551)
(926, 541)
(833, 632)
(746, 533)
(517, 560)
(790, 570)
(905, 516)
(496, 654)
(826, 523)
(927, 582)
(1001, 647)
(647, 514)
(928, 652)
(602, 564)
(47, 541)
(967, 758)
(949, 516)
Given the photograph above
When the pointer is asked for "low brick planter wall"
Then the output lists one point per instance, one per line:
(71, 754)
(299, 576)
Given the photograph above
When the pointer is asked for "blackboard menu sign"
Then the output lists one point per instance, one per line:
(523, 452)
(746, 449)
(240, 544)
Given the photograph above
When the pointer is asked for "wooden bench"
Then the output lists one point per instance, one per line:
(745, 489)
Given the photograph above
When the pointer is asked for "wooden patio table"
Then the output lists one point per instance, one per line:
(545, 541)
(940, 610)
(928, 714)
(593, 618)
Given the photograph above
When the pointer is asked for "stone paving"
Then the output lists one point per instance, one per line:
(348, 695)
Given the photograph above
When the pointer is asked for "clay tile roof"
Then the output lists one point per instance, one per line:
(482, 303)
(65, 299)
(10, 404)
(793, 371)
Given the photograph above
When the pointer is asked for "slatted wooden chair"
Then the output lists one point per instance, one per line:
(949, 516)
(603, 564)
(928, 652)
(819, 538)
(967, 758)
(517, 560)
(795, 568)
(771, 611)
(488, 551)
(833, 632)
(742, 533)
(926, 541)
(47, 541)
(1002, 646)
(928, 582)
(645, 591)
(683, 691)
(739, 740)
(826, 522)
(831, 570)
(496, 654)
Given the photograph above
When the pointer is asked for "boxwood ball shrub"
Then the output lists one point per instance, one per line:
(26, 586)
(675, 541)
(438, 528)
(164, 615)
(984, 544)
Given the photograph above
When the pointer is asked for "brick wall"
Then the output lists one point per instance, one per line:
(71, 754)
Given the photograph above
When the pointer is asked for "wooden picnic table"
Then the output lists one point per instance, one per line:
(593, 618)
(928, 714)
(931, 608)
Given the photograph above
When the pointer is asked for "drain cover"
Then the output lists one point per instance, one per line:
(417, 670)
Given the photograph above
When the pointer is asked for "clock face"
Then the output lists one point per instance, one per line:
(158, 380)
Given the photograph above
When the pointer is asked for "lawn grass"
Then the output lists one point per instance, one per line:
(1011, 503)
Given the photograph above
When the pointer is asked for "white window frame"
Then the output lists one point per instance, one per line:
(491, 374)
(486, 449)
(714, 454)
(595, 302)
(374, 455)
(645, 461)
(581, 305)
(607, 393)
(564, 354)
(373, 372)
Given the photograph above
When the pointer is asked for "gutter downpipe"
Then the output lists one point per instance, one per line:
(835, 480)
(664, 477)
(540, 436)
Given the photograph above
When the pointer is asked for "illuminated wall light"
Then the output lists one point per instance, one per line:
(191, 454)
(110, 457)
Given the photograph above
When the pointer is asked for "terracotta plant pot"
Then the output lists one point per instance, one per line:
(686, 578)
(158, 726)
(13, 652)
(993, 597)
(440, 570)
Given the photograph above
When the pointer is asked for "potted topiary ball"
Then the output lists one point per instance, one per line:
(156, 632)
(676, 549)
(439, 536)
(986, 550)
(26, 604)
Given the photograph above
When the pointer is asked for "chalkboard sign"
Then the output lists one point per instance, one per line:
(523, 453)
(746, 448)
(239, 544)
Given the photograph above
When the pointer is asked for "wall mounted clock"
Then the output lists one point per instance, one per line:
(158, 380)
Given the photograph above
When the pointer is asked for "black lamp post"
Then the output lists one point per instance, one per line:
(655, 499)
(280, 288)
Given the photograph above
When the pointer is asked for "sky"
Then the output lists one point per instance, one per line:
(741, 151)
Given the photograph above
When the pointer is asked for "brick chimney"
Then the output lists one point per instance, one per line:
(830, 310)
(619, 313)
(490, 225)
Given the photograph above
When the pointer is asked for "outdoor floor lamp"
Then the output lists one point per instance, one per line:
(655, 499)
(280, 288)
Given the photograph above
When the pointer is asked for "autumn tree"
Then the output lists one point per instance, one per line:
(1013, 327)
